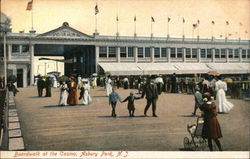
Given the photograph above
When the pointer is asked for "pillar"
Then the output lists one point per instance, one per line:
(25, 76)
(213, 54)
(31, 64)
(118, 56)
(136, 54)
(199, 54)
(96, 58)
(9, 51)
(168, 54)
(227, 55)
(152, 53)
(184, 54)
(240, 54)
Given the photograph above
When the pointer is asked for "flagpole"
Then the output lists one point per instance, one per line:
(95, 23)
(239, 30)
(32, 15)
(151, 28)
(134, 27)
(212, 30)
(183, 21)
(198, 31)
(168, 29)
(183, 29)
(226, 30)
(117, 33)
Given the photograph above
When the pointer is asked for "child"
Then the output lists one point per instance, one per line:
(131, 107)
(113, 98)
(198, 99)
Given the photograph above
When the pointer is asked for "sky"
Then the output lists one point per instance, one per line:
(50, 14)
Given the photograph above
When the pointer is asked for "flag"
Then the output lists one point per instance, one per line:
(135, 18)
(96, 9)
(227, 22)
(169, 19)
(213, 22)
(152, 19)
(29, 5)
(183, 20)
(195, 26)
(117, 19)
(198, 21)
(241, 24)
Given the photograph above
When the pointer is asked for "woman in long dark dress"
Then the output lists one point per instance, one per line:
(211, 129)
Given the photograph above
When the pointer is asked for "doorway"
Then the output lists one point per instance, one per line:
(19, 77)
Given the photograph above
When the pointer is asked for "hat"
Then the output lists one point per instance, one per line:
(207, 95)
(197, 88)
(84, 80)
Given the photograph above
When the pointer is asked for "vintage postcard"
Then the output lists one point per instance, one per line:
(124, 79)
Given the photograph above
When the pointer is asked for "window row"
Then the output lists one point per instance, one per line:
(174, 52)
(17, 48)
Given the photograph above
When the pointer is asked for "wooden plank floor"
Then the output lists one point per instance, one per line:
(45, 126)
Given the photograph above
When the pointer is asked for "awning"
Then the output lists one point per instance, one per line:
(230, 68)
(170, 68)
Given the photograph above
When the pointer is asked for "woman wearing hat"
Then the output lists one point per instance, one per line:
(224, 106)
(72, 92)
(85, 92)
(211, 129)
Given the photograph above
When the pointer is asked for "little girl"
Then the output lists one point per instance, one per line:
(131, 107)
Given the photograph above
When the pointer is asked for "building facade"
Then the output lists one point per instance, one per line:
(122, 55)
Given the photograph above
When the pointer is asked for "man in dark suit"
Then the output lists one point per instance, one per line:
(150, 89)
(173, 82)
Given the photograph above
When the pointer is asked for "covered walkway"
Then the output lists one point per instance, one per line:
(170, 68)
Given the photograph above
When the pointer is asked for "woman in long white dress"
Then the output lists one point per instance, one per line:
(84, 94)
(109, 86)
(54, 81)
(63, 94)
(223, 105)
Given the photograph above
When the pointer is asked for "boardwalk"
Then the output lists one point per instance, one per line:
(46, 126)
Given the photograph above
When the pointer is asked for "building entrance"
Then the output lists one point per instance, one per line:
(79, 59)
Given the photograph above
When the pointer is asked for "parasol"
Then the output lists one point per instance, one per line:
(214, 73)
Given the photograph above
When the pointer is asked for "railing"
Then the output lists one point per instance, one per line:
(4, 119)
(239, 89)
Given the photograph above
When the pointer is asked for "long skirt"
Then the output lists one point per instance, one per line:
(63, 98)
(223, 105)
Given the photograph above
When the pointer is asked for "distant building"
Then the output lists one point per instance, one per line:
(121, 55)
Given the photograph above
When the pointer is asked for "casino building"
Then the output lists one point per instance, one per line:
(120, 55)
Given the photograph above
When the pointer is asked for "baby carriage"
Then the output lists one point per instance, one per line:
(196, 142)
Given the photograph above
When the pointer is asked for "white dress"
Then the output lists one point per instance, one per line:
(54, 82)
(109, 86)
(63, 94)
(223, 105)
(86, 96)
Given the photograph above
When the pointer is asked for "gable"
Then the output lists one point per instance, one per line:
(65, 31)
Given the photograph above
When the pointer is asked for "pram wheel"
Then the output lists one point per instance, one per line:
(203, 143)
(186, 143)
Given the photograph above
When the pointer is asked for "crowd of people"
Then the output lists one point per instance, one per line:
(209, 94)
(69, 87)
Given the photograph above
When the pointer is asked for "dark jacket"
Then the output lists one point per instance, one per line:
(131, 100)
(211, 127)
(151, 91)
